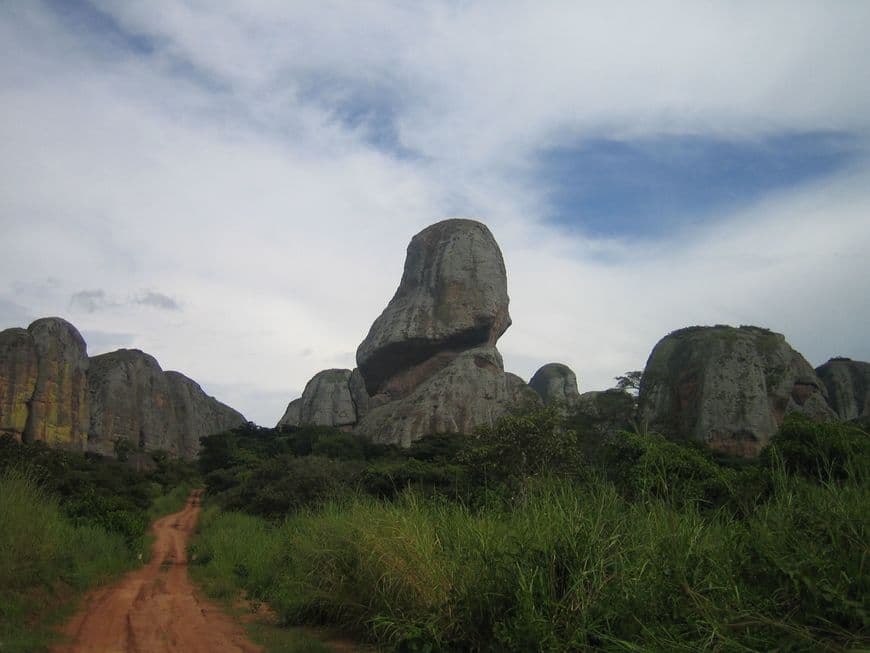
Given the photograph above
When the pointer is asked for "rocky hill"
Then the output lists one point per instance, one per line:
(728, 387)
(429, 362)
(51, 391)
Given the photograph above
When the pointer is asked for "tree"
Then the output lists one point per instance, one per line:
(630, 381)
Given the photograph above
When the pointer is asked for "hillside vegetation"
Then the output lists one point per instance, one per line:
(541, 534)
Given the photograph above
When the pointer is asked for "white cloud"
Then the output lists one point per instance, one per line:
(216, 172)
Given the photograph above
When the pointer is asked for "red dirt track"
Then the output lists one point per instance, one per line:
(156, 609)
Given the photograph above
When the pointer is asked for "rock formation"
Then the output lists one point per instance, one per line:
(557, 384)
(51, 391)
(452, 297)
(472, 390)
(848, 386)
(58, 410)
(429, 362)
(326, 401)
(131, 400)
(729, 387)
(18, 371)
(197, 414)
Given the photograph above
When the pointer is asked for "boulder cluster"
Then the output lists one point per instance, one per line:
(51, 391)
(430, 364)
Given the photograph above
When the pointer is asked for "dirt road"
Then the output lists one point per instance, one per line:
(156, 609)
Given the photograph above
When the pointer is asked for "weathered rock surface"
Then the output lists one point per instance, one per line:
(326, 401)
(452, 297)
(557, 384)
(131, 399)
(51, 391)
(472, 390)
(198, 414)
(18, 371)
(728, 387)
(58, 411)
(521, 394)
(848, 386)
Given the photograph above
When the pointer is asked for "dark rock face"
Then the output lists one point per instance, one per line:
(848, 385)
(728, 387)
(607, 411)
(557, 384)
(471, 390)
(326, 401)
(197, 414)
(58, 412)
(131, 400)
(18, 372)
(452, 297)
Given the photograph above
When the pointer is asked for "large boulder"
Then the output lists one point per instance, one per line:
(131, 399)
(326, 401)
(58, 413)
(728, 387)
(848, 385)
(470, 391)
(197, 414)
(452, 297)
(557, 384)
(19, 368)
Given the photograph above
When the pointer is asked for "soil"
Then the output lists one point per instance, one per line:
(156, 609)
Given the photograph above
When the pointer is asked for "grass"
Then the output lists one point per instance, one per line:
(567, 567)
(43, 559)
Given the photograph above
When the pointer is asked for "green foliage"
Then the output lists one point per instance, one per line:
(543, 534)
(39, 548)
(566, 568)
(825, 451)
(68, 521)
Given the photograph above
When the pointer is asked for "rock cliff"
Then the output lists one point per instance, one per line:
(58, 411)
(18, 371)
(197, 414)
(51, 391)
(131, 400)
(848, 386)
(728, 387)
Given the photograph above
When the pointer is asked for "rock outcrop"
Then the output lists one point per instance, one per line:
(557, 384)
(429, 362)
(326, 401)
(848, 386)
(452, 297)
(18, 372)
(50, 391)
(728, 387)
(197, 414)
(472, 390)
(131, 400)
(58, 410)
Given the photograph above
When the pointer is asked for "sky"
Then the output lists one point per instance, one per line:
(231, 186)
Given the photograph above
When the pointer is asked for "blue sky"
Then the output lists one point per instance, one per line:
(231, 186)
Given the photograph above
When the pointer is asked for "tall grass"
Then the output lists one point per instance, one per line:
(567, 568)
(40, 547)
